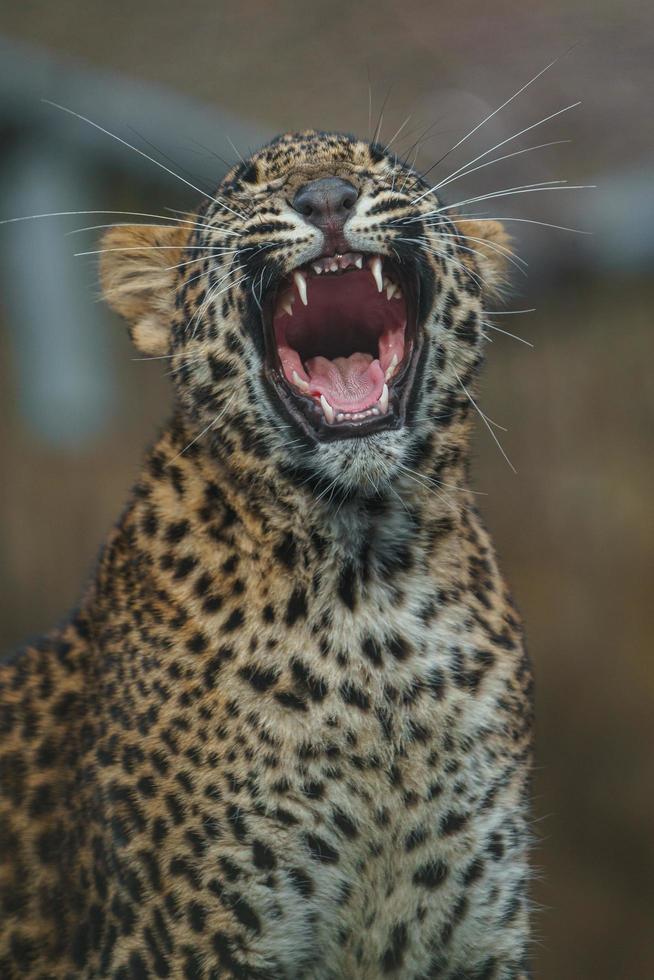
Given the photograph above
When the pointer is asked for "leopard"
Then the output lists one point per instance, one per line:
(286, 733)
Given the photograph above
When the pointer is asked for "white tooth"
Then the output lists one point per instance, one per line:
(301, 284)
(339, 417)
(317, 269)
(390, 290)
(375, 411)
(287, 306)
(327, 409)
(383, 401)
(300, 382)
(334, 266)
(376, 269)
(359, 261)
(386, 281)
(390, 370)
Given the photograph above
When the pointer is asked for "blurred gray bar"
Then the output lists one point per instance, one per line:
(52, 161)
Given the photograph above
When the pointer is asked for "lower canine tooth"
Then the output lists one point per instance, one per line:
(383, 401)
(376, 269)
(327, 409)
(301, 285)
(300, 382)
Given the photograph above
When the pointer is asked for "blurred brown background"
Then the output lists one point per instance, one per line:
(574, 526)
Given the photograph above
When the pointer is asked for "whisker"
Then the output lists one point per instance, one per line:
(212, 296)
(206, 429)
(528, 221)
(135, 214)
(485, 420)
(527, 189)
(234, 148)
(489, 163)
(494, 246)
(507, 312)
(497, 146)
(433, 490)
(220, 253)
(123, 224)
(151, 248)
(397, 133)
(491, 326)
(142, 153)
(443, 255)
(439, 483)
(495, 112)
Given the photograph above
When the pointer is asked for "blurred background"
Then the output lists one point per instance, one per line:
(195, 84)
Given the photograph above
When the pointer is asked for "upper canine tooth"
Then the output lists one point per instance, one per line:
(327, 409)
(390, 290)
(300, 382)
(359, 261)
(390, 370)
(301, 284)
(287, 305)
(383, 400)
(376, 269)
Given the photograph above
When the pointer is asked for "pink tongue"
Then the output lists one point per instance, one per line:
(350, 384)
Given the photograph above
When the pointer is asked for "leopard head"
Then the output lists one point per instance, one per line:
(322, 313)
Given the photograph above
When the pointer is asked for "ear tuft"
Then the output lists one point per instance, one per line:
(490, 243)
(138, 281)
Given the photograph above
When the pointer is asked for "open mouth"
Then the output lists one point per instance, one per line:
(341, 344)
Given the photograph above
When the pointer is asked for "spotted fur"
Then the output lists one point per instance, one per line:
(287, 732)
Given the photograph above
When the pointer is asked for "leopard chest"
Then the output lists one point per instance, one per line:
(339, 761)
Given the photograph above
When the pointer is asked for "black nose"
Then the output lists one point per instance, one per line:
(326, 202)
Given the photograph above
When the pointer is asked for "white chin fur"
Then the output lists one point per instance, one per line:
(360, 464)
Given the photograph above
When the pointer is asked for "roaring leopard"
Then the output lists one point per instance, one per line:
(286, 733)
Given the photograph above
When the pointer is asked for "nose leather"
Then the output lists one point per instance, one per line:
(326, 203)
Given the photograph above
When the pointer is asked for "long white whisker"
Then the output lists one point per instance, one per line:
(206, 429)
(527, 221)
(507, 312)
(429, 489)
(146, 156)
(135, 214)
(220, 253)
(495, 111)
(494, 246)
(212, 296)
(150, 248)
(397, 132)
(497, 146)
(462, 172)
(523, 190)
(443, 255)
(439, 483)
(491, 326)
(485, 420)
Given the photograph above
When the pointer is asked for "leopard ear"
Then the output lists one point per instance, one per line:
(490, 245)
(138, 281)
